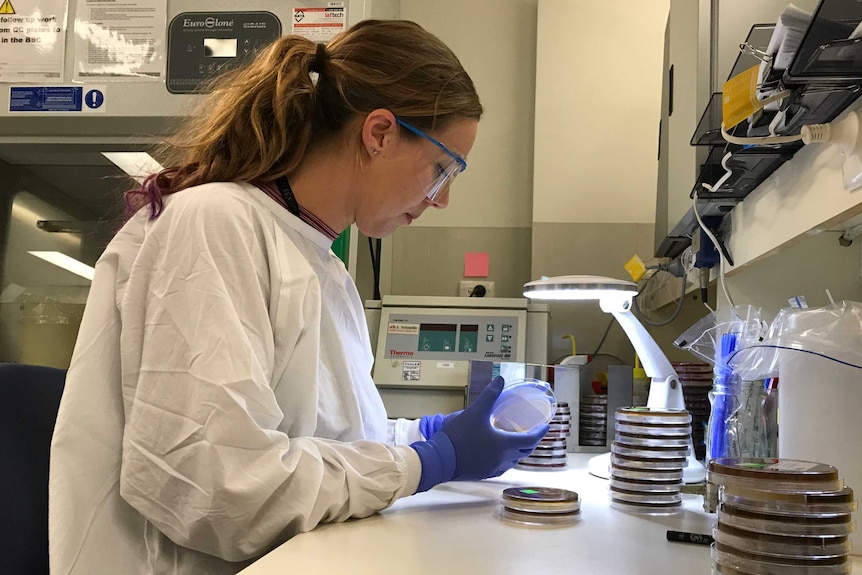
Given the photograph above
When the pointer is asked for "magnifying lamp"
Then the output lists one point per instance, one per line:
(615, 297)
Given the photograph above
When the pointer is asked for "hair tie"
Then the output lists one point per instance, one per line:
(319, 59)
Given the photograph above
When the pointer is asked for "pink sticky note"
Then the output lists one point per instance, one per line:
(476, 265)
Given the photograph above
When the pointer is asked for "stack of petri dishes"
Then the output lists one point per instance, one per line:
(593, 420)
(540, 506)
(780, 516)
(696, 379)
(647, 459)
(550, 454)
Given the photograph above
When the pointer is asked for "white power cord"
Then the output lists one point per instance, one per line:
(727, 173)
(844, 132)
(766, 140)
(721, 260)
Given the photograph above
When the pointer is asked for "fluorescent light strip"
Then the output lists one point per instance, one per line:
(139, 165)
(70, 264)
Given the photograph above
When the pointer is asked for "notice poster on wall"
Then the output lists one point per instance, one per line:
(120, 39)
(320, 24)
(32, 40)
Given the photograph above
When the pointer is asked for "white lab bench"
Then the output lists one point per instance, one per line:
(455, 529)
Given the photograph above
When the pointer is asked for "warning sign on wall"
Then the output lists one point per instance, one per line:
(320, 24)
(32, 40)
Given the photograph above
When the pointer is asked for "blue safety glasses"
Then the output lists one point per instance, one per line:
(445, 170)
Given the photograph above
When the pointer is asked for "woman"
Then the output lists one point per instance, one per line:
(219, 399)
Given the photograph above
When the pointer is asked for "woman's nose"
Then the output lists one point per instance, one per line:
(442, 199)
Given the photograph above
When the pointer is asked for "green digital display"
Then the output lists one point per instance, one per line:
(469, 341)
(437, 337)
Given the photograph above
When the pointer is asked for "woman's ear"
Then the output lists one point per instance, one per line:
(379, 132)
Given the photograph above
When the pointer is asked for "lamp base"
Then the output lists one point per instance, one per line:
(694, 472)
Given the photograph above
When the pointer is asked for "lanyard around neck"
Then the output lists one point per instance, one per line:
(287, 195)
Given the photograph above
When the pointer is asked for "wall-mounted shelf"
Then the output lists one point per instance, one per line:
(749, 167)
(825, 78)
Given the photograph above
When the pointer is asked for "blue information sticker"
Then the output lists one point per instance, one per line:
(94, 99)
(48, 99)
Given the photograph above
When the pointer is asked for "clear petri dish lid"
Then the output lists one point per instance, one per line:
(794, 548)
(646, 508)
(770, 474)
(553, 443)
(833, 526)
(653, 416)
(691, 366)
(559, 454)
(540, 500)
(523, 405)
(644, 485)
(817, 504)
(731, 561)
(650, 452)
(541, 451)
(651, 464)
(653, 430)
(544, 520)
(722, 570)
(645, 474)
(640, 440)
(530, 465)
(645, 497)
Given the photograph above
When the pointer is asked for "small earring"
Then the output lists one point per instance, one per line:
(373, 151)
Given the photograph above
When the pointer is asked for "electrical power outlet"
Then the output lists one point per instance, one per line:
(465, 287)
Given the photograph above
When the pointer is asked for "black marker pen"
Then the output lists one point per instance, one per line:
(683, 537)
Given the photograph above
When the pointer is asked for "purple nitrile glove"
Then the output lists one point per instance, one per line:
(468, 447)
(431, 424)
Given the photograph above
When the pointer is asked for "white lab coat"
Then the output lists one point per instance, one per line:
(219, 399)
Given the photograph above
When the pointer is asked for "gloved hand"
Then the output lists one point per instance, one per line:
(469, 448)
(431, 424)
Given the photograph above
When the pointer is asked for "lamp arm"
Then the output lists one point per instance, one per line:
(665, 389)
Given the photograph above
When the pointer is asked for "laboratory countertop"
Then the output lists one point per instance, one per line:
(455, 529)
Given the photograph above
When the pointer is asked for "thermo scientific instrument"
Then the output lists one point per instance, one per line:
(424, 346)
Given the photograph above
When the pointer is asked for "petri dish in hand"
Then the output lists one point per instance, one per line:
(524, 405)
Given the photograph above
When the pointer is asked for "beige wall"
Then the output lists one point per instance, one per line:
(598, 99)
(431, 260)
(807, 268)
(496, 42)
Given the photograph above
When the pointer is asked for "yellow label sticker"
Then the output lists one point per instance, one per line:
(739, 98)
(636, 268)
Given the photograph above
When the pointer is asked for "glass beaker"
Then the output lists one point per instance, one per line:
(770, 417)
(750, 423)
(722, 434)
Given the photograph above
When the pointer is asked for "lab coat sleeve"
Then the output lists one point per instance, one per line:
(202, 457)
(403, 431)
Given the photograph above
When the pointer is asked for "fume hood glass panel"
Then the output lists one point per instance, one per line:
(41, 304)
(59, 207)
